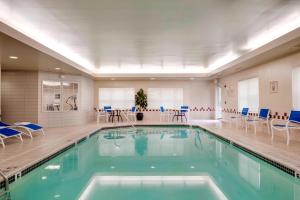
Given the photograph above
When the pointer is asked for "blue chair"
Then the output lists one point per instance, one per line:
(182, 112)
(132, 113)
(107, 109)
(292, 123)
(27, 127)
(6, 132)
(108, 112)
(243, 116)
(164, 114)
(262, 118)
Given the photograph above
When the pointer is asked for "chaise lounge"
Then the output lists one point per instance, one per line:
(26, 127)
(6, 132)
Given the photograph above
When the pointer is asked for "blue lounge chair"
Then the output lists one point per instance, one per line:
(6, 132)
(29, 128)
(263, 117)
(292, 123)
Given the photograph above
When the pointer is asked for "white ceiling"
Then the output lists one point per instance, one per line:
(109, 37)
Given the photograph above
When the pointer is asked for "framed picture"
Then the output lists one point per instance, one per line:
(273, 86)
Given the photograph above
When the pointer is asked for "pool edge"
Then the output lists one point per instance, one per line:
(22, 171)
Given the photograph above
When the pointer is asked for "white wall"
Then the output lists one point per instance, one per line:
(197, 94)
(85, 113)
(19, 96)
(278, 70)
(0, 90)
(22, 99)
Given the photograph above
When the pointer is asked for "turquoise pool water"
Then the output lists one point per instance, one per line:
(158, 163)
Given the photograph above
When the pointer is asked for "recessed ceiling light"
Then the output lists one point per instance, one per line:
(192, 78)
(13, 57)
(57, 68)
(112, 79)
(152, 79)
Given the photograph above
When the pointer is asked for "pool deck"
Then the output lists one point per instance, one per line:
(18, 156)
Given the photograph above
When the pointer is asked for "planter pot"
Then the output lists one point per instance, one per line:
(139, 116)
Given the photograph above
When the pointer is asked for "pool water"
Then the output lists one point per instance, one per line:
(158, 163)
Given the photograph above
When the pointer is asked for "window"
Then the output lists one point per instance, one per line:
(168, 97)
(296, 88)
(122, 98)
(248, 94)
(60, 96)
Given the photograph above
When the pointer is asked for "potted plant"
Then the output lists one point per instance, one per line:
(141, 103)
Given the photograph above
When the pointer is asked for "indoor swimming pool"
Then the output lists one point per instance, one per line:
(155, 162)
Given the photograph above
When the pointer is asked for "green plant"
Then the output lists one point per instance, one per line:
(141, 99)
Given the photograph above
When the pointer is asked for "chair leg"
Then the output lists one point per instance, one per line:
(28, 133)
(2, 142)
(272, 133)
(287, 136)
(20, 136)
(268, 125)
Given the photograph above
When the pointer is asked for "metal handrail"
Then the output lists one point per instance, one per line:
(131, 122)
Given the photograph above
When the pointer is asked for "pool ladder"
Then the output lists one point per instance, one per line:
(128, 120)
(5, 194)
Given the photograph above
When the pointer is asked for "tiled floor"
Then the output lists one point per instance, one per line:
(261, 142)
(17, 156)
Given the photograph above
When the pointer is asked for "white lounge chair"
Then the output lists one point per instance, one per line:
(263, 118)
(292, 123)
(27, 128)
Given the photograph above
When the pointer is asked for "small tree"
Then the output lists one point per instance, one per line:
(141, 99)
